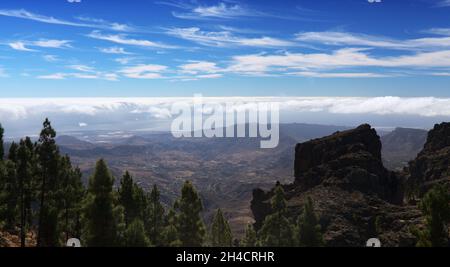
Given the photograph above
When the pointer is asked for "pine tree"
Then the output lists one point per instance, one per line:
(220, 231)
(191, 229)
(48, 232)
(12, 153)
(101, 224)
(126, 198)
(71, 194)
(170, 235)
(277, 230)
(435, 205)
(135, 235)
(250, 237)
(25, 176)
(309, 230)
(154, 217)
(9, 196)
(2, 149)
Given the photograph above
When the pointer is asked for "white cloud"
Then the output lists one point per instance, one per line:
(50, 58)
(82, 75)
(439, 31)
(122, 39)
(219, 11)
(82, 124)
(195, 67)
(443, 3)
(44, 43)
(144, 71)
(20, 46)
(12, 109)
(51, 43)
(353, 39)
(74, 1)
(259, 64)
(82, 68)
(109, 25)
(114, 50)
(210, 76)
(54, 76)
(100, 24)
(124, 60)
(225, 38)
(338, 74)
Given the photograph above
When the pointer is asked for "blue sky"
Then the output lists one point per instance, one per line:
(82, 48)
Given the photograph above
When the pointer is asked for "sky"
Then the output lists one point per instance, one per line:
(115, 48)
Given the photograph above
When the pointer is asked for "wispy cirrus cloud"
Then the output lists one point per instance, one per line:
(443, 3)
(83, 75)
(439, 31)
(124, 40)
(82, 68)
(82, 22)
(81, 72)
(195, 67)
(144, 71)
(354, 39)
(226, 38)
(262, 64)
(20, 46)
(50, 58)
(115, 50)
(43, 43)
(219, 11)
(338, 74)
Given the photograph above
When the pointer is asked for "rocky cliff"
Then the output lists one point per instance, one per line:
(356, 197)
(432, 165)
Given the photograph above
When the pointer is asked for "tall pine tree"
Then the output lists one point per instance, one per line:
(9, 196)
(220, 231)
(191, 229)
(48, 154)
(72, 193)
(100, 221)
(154, 218)
(127, 198)
(25, 162)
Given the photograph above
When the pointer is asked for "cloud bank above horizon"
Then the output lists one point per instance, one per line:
(134, 114)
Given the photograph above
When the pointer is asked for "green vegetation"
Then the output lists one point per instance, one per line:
(435, 206)
(220, 231)
(41, 192)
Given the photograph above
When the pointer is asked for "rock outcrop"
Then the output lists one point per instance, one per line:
(350, 160)
(432, 165)
(356, 197)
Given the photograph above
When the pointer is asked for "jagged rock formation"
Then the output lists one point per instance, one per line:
(350, 160)
(432, 165)
(356, 197)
